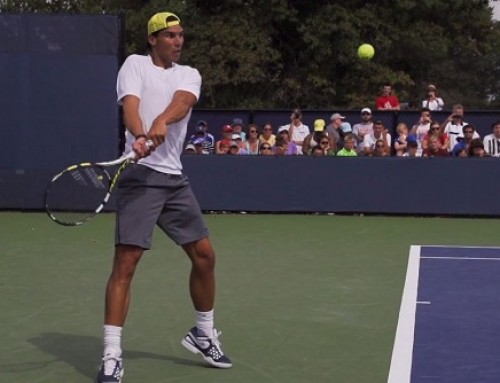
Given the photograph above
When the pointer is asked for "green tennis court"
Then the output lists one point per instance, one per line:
(301, 298)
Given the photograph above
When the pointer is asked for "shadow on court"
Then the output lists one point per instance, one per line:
(82, 352)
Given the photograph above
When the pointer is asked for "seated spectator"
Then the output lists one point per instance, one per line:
(454, 124)
(317, 151)
(379, 133)
(190, 149)
(297, 130)
(227, 135)
(348, 149)
(333, 131)
(387, 101)
(267, 134)
(461, 149)
(421, 128)
(313, 139)
(241, 144)
(435, 131)
(201, 130)
(283, 144)
(363, 128)
(380, 149)
(265, 149)
(432, 101)
(345, 129)
(251, 145)
(411, 149)
(434, 149)
(199, 146)
(401, 142)
(324, 144)
(237, 126)
(491, 142)
(464, 139)
(476, 148)
(234, 148)
(224, 147)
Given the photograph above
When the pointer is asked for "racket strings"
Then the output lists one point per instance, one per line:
(76, 194)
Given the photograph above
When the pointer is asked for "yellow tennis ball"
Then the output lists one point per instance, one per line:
(366, 51)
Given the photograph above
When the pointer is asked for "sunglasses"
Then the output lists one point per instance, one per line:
(267, 129)
(366, 114)
(265, 148)
(379, 146)
(253, 131)
(434, 129)
(324, 142)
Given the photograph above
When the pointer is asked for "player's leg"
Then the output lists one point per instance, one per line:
(202, 276)
(183, 221)
(137, 211)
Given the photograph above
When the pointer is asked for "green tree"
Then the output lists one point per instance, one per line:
(284, 53)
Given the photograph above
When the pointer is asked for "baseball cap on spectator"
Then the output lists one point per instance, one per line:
(233, 144)
(412, 143)
(190, 147)
(458, 148)
(201, 122)
(282, 128)
(198, 141)
(335, 116)
(319, 125)
(345, 127)
(224, 143)
(366, 110)
(236, 137)
(378, 122)
(237, 121)
(411, 138)
(227, 129)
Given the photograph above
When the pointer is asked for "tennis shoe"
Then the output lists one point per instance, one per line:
(111, 370)
(208, 346)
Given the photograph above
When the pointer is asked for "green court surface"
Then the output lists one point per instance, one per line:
(301, 298)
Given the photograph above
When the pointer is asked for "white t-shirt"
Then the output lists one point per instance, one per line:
(454, 131)
(369, 140)
(155, 87)
(436, 104)
(492, 145)
(299, 134)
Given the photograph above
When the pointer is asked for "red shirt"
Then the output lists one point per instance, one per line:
(381, 102)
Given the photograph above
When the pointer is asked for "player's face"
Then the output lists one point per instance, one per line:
(167, 44)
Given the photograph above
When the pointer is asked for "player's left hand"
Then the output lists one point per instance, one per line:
(158, 132)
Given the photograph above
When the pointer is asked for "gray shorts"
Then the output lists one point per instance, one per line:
(146, 198)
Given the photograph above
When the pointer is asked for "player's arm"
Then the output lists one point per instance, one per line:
(181, 104)
(133, 124)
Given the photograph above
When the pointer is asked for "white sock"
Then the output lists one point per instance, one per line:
(205, 322)
(112, 340)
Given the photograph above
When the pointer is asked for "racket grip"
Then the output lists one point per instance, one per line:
(132, 155)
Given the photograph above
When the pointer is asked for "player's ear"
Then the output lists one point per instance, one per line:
(152, 40)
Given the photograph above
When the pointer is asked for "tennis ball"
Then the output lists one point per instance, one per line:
(366, 51)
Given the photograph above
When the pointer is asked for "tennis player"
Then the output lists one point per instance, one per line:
(157, 96)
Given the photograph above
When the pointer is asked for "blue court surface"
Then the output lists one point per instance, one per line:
(449, 320)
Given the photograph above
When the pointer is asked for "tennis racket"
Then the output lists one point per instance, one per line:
(80, 192)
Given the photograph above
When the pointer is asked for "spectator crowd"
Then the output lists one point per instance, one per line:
(426, 137)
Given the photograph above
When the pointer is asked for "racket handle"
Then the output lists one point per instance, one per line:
(132, 155)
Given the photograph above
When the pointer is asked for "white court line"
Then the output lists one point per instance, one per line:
(464, 258)
(402, 353)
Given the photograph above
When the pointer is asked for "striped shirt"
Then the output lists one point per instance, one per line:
(492, 145)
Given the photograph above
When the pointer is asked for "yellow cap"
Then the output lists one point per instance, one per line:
(319, 125)
(161, 21)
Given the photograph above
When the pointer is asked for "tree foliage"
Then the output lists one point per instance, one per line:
(279, 53)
